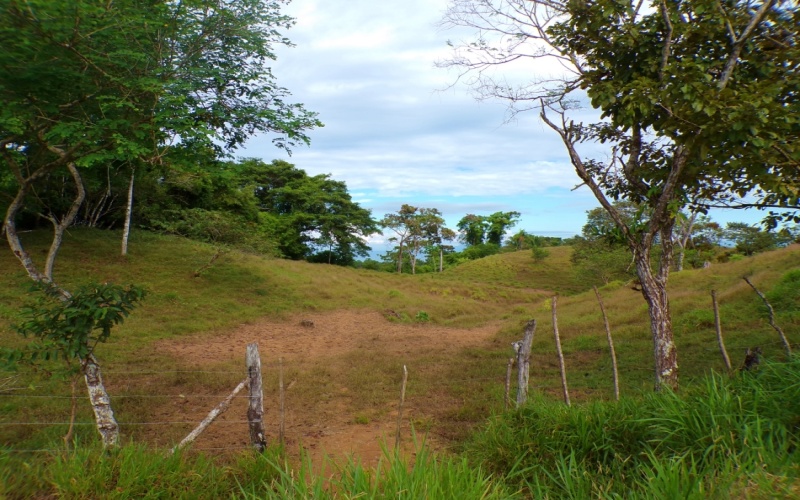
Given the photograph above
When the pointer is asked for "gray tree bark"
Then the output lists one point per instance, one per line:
(126, 230)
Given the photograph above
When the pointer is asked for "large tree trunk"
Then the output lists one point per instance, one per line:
(126, 231)
(654, 290)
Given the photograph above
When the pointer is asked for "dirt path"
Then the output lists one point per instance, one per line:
(317, 349)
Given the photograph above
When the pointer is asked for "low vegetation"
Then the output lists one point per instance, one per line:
(691, 443)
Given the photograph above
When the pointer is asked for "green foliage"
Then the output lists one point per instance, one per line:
(474, 252)
(750, 240)
(699, 444)
(599, 262)
(273, 208)
(72, 327)
(539, 254)
(416, 229)
(117, 101)
(523, 241)
(490, 229)
(785, 295)
(422, 317)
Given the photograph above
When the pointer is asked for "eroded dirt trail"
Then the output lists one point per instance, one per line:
(319, 351)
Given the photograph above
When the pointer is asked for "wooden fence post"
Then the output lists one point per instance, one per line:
(255, 411)
(718, 326)
(400, 409)
(282, 409)
(610, 344)
(560, 354)
(523, 351)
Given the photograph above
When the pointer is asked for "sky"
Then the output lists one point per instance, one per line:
(398, 131)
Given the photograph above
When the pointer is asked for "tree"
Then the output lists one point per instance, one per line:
(498, 223)
(477, 229)
(402, 224)
(87, 85)
(699, 98)
(472, 228)
(750, 240)
(314, 213)
(416, 228)
(134, 83)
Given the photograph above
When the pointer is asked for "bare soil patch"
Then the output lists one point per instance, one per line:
(333, 407)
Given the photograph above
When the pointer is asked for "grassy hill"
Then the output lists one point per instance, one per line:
(198, 291)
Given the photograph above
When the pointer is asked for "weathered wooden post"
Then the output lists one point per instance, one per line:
(560, 354)
(212, 415)
(718, 327)
(400, 409)
(610, 344)
(786, 346)
(255, 411)
(523, 350)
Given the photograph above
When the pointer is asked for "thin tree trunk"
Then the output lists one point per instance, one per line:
(610, 344)
(560, 353)
(718, 327)
(14, 242)
(441, 259)
(126, 231)
(685, 241)
(400, 259)
(59, 227)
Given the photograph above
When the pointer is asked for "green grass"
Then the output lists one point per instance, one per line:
(454, 393)
(725, 438)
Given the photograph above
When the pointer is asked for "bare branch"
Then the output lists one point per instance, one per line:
(738, 45)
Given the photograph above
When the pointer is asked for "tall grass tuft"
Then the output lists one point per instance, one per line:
(394, 477)
(729, 435)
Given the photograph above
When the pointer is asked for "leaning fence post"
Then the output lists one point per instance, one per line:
(774, 325)
(610, 344)
(255, 411)
(718, 327)
(523, 350)
(560, 353)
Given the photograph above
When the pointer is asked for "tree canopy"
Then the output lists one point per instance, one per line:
(699, 99)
